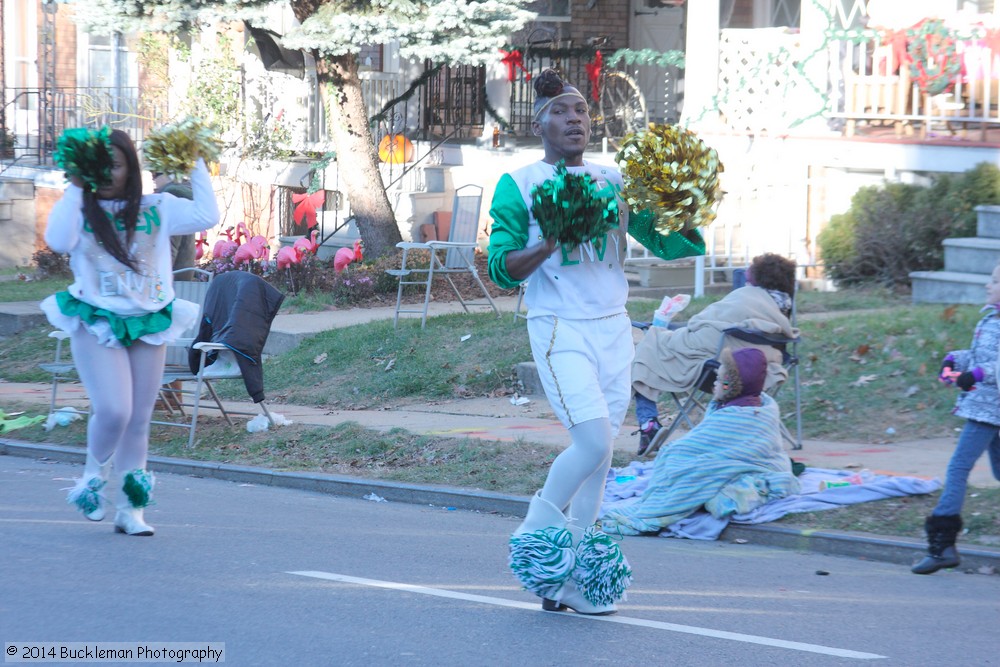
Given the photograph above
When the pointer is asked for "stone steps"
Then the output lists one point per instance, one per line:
(968, 263)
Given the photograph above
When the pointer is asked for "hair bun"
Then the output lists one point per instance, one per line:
(548, 83)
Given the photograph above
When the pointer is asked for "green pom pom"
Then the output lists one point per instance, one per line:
(570, 210)
(138, 486)
(86, 495)
(175, 148)
(85, 153)
(543, 560)
(602, 573)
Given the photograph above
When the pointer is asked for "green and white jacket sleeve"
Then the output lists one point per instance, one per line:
(669, 246)
(509, 231)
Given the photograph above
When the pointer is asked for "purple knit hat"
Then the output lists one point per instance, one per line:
(746, 371)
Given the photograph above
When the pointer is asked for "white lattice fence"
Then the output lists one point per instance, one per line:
(761, 88)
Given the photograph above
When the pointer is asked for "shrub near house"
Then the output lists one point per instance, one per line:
(895, 229)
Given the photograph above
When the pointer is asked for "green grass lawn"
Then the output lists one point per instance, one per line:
(869, 362)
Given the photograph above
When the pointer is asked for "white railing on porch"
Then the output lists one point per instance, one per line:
(776, 80)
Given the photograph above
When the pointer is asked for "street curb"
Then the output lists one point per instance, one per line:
(339, 485)
(864, 546)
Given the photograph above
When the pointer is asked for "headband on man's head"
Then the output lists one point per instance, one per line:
(567, 91)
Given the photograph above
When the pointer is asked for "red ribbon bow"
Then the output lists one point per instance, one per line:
(514, 61)
(594, 74)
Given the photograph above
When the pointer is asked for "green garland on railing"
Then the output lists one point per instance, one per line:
(647, 57)
(317, 168)
(495, 115)
(553, 52)
(421, 80)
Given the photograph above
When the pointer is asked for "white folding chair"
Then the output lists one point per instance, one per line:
(459, 257)
(61, 367)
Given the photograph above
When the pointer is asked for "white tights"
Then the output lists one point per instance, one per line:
(577, 476)
(122, 384)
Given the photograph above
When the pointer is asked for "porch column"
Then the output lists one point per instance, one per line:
(701, 73)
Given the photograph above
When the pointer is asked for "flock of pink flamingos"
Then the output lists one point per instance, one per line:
(243, 247)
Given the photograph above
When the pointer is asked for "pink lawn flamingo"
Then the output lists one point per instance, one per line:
(287, 256)
(200, 243)
(307, 244)
(225, 247)
(345, 256)
(253, 247)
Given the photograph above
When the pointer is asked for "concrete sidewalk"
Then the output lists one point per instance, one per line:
(500, 420)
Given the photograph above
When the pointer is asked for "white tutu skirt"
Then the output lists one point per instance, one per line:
(183, 316)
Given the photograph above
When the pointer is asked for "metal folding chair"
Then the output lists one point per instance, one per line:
(690, 404)
(459, 257)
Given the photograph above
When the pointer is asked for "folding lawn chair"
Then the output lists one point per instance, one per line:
(692, 403)
(459, 257)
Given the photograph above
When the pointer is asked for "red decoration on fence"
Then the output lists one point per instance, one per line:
(594, 74)
(306, 207)
(514, 61)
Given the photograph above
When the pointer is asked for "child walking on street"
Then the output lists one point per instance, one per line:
(975, 373)
(120, 310)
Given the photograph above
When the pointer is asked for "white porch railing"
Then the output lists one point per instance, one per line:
(926, 80)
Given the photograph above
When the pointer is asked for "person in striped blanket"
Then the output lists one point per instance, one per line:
(730, 463)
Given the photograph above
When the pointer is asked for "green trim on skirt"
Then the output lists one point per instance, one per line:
(126, 329)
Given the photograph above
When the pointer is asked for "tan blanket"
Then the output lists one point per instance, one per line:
(670, 360)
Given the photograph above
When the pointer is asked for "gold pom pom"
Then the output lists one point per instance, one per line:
(672, 172)
(173, 149)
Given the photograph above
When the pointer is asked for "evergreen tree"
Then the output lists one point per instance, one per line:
(333, 31)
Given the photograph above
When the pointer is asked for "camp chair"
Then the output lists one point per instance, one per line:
(689, 404)
(61, 367)
(459, 257)
(215, 361)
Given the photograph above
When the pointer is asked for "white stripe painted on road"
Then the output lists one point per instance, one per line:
(622, 620)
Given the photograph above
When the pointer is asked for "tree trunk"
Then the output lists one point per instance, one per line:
(357, 160)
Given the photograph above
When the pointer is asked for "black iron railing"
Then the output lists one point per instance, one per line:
(25, 114)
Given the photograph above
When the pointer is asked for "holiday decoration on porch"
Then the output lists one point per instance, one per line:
(934, 62)
(670, 171)
(173, 149)
(395, 149)
(594, 75)
(514, 60)
(85, 153)
(570, 209)
(306, 205)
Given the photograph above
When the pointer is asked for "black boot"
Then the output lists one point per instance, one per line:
(942, 531)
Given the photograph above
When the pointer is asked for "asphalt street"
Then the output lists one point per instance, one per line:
(283, 576)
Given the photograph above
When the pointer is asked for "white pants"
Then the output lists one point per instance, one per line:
(122, 384)
(585, 368)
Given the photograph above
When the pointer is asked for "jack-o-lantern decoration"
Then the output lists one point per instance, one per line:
(395, 149)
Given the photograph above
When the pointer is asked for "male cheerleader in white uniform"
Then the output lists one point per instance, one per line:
(582, 345)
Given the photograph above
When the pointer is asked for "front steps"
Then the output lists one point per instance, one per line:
(968, 263)
(17, 221)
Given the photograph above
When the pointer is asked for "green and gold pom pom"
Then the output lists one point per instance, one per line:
(670, 171)
(173, 149)
(569, 208)
(85, 153)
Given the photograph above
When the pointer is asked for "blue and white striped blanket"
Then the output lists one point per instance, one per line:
(731, 463)
(626, 486)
